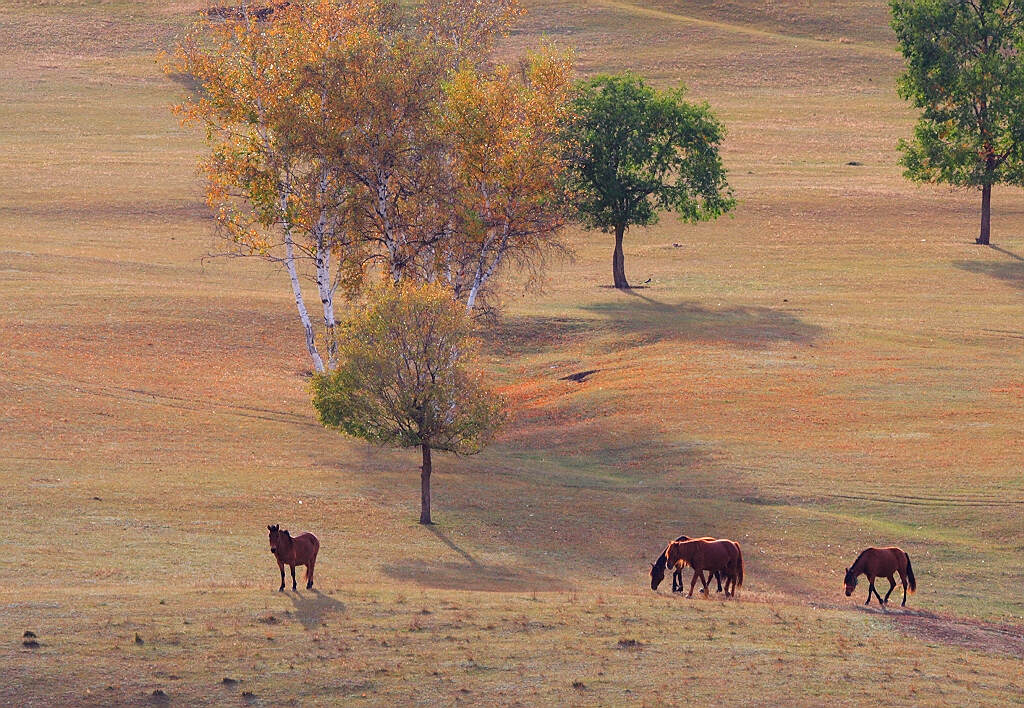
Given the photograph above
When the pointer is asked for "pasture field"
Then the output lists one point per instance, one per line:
(835, 366)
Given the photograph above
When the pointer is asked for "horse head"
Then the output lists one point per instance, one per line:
(657, 572)
(276, 537)
(850, 581)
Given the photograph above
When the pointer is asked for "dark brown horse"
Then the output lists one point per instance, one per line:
(702, 555)
(300, 550)
(658, 570)
(881, 563)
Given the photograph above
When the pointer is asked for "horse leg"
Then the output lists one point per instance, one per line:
(718, 579)
(705, 583)
(903, 579)
(892, 584)
(280, 566)
(873, 589)
(294, 586)
(309, 574)
(693, 582)
(677, 580)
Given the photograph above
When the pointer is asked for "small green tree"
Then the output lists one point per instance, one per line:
(408, 377)
(965, 71)
(633, 151)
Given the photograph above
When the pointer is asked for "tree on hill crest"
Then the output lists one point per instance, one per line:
(965, 71)
(634, 151)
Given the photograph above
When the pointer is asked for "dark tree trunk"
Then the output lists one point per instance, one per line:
(618, 260)
(425, 487)
(986, 214)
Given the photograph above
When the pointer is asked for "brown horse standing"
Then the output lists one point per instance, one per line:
(881, 563)
(300, 550)
(702, 555)
(658, 570)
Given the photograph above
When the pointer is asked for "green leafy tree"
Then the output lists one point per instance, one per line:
(408, 377)
(634, 151)
(965, 71)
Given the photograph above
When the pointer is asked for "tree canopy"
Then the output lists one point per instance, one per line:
(506, 165)
(349, 135)
(408, 377)
(965, 71)
(634, 151)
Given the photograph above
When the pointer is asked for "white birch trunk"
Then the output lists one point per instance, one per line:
(289, 245)
(323, 277)
(387, 229)
(483, 274)
(323, 283)
(474, 290)
(300, 303)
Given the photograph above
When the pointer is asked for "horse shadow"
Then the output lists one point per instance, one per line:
(313, 607)
(469, 573)
(1010, 272)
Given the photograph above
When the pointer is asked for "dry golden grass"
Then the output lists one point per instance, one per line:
(834, 367)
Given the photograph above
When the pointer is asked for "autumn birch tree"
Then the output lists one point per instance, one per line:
(347, 135)
(275, 175)
(506, 163)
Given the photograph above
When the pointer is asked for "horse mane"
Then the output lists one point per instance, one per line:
(858, 559)
(681, 560)
(662, 559)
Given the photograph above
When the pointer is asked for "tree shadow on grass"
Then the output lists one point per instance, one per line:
(532, 335)
(470, 574)
(652, 321)
(1011, 272)
(312, 607)
(746, 326)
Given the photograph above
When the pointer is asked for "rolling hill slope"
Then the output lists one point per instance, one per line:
(836, 366)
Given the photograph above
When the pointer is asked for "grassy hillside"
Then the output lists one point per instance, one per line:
(836, 366)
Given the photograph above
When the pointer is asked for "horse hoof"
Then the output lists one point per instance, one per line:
(309, 586)
(281, 589)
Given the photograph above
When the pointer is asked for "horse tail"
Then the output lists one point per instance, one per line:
(910, 575)
(739, 566)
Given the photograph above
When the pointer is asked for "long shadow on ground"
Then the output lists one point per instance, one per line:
(651, 321)
(1010, 272)
(746, 326)
(470, 574)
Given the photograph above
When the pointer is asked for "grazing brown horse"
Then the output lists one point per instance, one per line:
(735, 569)
(658, 571)
(300, 550)
(881, 563)
(702, 555)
